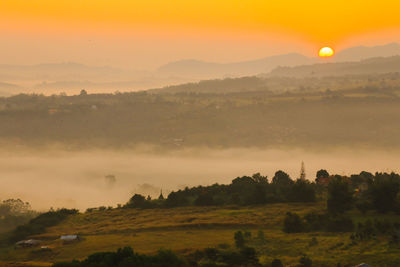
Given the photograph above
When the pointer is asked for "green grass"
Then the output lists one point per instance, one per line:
(186, 229)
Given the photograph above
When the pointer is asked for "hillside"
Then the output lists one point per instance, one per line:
(185, 229)
(345, 220)
(310, 113)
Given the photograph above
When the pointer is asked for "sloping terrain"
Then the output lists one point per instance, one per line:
(185, 229)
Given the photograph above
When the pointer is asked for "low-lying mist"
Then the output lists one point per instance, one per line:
(95, 178)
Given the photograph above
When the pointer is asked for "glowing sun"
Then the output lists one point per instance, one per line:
(326, 52)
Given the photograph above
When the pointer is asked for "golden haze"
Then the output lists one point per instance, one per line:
(317, 23)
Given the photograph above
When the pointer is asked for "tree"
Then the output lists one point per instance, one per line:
(16, 206)
(137, 201)
(258, 178)
(321, 174)
(282, 178)
(340, 195)
(383, 192)
(83, 92)
(239, 239)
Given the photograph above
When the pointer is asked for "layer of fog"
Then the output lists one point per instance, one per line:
(78, 179)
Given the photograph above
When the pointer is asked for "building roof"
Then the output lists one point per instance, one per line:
(69, 237)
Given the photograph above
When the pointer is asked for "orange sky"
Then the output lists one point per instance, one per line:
(217, 30)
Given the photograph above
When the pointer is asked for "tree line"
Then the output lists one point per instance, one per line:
(246, 190)
(365, 191)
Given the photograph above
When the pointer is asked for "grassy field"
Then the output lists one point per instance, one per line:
(186, 229)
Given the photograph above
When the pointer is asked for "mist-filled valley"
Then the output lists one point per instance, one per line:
(81, 179)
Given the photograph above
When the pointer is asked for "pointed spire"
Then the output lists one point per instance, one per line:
(161, 197)
(302, 171)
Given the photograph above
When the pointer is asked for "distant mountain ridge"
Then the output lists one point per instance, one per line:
(367, 66)
(364, 52)
(51, 72)
(69, 76)
(210, 70)
(201, 69)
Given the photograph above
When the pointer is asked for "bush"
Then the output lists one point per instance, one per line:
(305, 262)
(293, 223)
(239, 239)
(276, 263)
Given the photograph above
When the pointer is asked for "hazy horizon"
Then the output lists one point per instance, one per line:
(192, 57)
(145, 35)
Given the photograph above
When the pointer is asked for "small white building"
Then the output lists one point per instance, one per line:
(69, 238)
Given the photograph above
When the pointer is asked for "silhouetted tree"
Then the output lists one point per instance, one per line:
(282, 178)
(137, 201)
(321, 174)
(383, 192)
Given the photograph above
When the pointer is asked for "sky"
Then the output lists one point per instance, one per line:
(148, 33)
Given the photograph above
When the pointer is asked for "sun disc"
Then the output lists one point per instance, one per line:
(326, 52)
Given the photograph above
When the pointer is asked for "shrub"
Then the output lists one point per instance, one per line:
(293, 223)
(276, 263)
(239, 239)
(305, 262)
